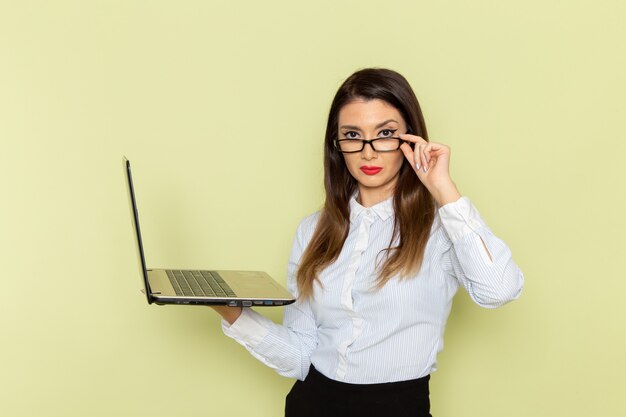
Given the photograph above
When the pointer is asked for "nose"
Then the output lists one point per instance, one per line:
(368, 152)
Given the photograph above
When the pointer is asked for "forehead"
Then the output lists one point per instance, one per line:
(364, 113)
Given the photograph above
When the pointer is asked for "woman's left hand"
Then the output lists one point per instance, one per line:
(431, 163)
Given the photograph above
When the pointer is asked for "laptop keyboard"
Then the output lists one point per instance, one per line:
(199, 283)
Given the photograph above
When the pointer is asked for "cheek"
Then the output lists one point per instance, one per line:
(352, 163)
(396, 162)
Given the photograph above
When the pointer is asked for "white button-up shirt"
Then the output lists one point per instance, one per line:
(354, 333)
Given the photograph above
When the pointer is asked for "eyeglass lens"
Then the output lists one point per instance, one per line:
(381, 145)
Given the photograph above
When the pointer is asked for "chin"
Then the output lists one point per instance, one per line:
(372, 182)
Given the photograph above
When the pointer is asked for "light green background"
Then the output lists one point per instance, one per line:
(221, 107)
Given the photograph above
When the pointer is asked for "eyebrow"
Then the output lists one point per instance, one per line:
(375, 127)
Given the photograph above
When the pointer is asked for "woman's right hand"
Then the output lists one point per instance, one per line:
(230, 314)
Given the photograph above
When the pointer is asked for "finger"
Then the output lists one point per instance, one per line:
(409, 155)
(426, 151)
(412, 138)
(438, 146)
(437, 150)
(417, 159)
(416, 141)
(420, 157)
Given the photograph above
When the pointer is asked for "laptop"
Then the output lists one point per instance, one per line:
(206, 286)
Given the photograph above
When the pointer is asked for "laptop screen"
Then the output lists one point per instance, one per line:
(135, 219)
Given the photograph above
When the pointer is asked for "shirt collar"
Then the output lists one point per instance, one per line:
(384, 209)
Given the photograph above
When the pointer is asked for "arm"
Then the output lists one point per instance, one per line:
(286, 348)
(477, 258)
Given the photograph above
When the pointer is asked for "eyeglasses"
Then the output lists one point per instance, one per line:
(388, 144)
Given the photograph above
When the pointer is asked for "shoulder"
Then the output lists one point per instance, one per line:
(307, 226)
(304, 233)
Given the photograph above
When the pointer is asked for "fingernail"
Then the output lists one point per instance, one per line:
(417, 166)
(424, 168)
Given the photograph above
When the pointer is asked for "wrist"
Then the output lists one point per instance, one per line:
(230, 314)
(233, 314)
(446, 192)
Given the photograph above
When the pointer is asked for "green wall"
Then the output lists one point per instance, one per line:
(221, 107)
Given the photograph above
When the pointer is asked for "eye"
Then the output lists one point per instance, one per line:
(351, 134)
(386, 133)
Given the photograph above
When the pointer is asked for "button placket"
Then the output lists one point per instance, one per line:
(347, 290)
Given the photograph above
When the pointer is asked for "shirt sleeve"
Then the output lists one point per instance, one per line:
(286, 348)
(491, 279)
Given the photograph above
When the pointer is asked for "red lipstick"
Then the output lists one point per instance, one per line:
(370, 170)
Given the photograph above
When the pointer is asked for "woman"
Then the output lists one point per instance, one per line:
(375, 271)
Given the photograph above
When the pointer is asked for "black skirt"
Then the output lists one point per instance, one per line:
(318, 395)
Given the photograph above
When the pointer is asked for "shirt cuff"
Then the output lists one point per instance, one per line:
(249, 328)
(460, 218)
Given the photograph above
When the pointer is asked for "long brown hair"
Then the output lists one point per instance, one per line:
(414, 206)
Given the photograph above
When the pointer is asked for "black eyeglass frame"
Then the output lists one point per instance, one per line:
(371, 143)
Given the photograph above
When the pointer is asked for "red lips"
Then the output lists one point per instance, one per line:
(370, 170)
